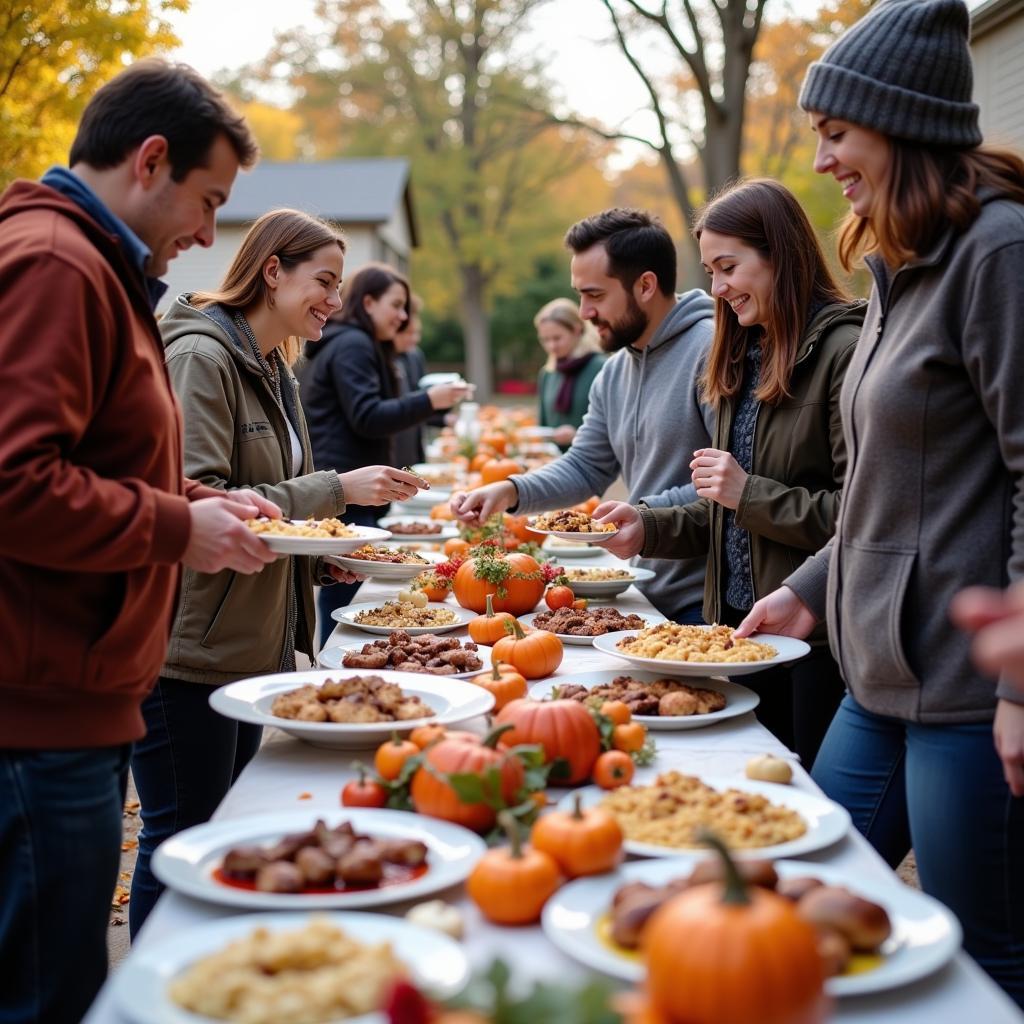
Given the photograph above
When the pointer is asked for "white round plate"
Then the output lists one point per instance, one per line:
(249, 700)
(585, 538)
(347, 616)
(322, 545)
(826, 821)
(186, 861)
(437, 963)
(789, 650)
(431, 380)
(925, 936)
(557, 549)
(391, 572)
(448, 530)
(650, 618)
(609, 588)
(331, 657)
(738, 699)
(427, 499)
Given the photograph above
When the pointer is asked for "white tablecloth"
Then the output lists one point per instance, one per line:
(285, 769)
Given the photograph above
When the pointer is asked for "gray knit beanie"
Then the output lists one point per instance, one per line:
(903, 70)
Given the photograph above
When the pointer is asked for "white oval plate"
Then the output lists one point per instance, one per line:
(427, 499)
(579, 537)
(347, 616)
(391, 572)
(558, 550)
(738, 699)
(447, 532)
(925, 936)
(437, 963)
(249, 700)
(609, 588)
(651, 618)
(789, 650)
(826, 821)
(186, 861)
(322, 545)
(331, 657)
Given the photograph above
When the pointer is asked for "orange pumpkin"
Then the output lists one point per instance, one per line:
(629, 737)
(424, 735)
(617, 711)
(520, 594)
(725, 954)
(564, 728)
(614, 768)
(504, 682)
(442, 511)
(489, 628)
(535, 654)
(583, 842)
(480, 460)
(499, 442)
(432, 793)
(455, 547)
(499, 469)
(516, 525)
(510, 885)
(391, 756)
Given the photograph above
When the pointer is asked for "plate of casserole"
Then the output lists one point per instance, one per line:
(313, 536)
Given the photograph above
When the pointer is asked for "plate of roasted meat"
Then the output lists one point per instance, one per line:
(579, 626)
(428, 653)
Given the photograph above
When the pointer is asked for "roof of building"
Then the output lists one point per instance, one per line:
(992, 14)
(356, 191)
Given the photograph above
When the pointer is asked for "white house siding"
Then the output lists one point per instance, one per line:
(999, 80)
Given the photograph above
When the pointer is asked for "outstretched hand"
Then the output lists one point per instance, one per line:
(781, 613)
(629, 541)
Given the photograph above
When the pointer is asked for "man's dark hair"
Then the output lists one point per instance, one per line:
(153, 97)
(635, 242)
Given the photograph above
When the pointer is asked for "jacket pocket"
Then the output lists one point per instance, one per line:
(209, 637)
(874, 583)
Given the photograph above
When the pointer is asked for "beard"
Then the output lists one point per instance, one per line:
(626, 330)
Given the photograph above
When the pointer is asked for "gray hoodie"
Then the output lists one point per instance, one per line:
(644, 423)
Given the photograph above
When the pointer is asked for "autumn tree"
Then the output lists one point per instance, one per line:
(53, 57)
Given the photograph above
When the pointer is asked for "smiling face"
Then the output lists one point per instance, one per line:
(388, 312)
(605, 301)
(307, 294)
(858, 158)
(557, 339)
(740, 276)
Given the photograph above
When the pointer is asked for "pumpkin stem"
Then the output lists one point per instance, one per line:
(577, 809)
(515, 629)
(491, 739)
(490, 606)
(510, 827)
(495, 666)
(735, 888)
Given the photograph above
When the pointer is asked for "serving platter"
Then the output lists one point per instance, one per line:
(391, 523)
(390, 572)
(347, 616)
(187, 862)
(285, 545)
(650, 618)
(572, 535)
(250, 700)
(610, 588)
(926, 935)
(331, 657)
(738, 699)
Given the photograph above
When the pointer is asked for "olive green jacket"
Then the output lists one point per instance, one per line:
(791, 497)
(229, 625)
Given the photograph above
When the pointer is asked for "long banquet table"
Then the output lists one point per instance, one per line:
(287, 774)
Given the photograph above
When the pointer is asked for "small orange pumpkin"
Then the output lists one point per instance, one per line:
(614, 768)
(495, 440)
(535, 654)
(503, 681)
(564, 728)
(456, 547)
(424, 735)
(510, 885)
(499, 469)
(617, 711)
(391, 756)
(583, 842)
(437, 588)
(489, 628)
(630, 737)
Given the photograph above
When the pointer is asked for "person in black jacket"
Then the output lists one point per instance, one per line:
(352, 397)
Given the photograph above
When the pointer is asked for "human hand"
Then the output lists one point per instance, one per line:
(782, 613)
(264, 506)
(444, 396)
(377, 485)
(1008, 730)
(343, 575)
(629, 541)
(564, 434)
(219, 538)
(718, 476)
(996, 617)
(478, 505)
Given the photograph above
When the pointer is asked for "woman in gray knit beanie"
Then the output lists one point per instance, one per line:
(934, 493)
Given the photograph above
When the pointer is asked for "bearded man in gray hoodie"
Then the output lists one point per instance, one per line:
(645, 418)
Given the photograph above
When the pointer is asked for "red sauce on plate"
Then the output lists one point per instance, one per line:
(394, 874)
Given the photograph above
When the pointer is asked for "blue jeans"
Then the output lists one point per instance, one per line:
(940, 790)
(60, 850)
(183, 768)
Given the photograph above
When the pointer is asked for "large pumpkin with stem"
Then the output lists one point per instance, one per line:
(564, 728)
(514, 581)
(723, 953)
(434, 794)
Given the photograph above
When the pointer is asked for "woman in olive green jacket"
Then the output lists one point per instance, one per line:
(229, 355)
(768, 490)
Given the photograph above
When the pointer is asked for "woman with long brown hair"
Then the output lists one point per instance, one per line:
(934, 496)
(229, 356)
(768, 488)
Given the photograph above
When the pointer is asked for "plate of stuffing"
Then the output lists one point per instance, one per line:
(876, 934)
(349, 710)
(347, 859)
(579, 626)
(286, 968)
(755, 819)
(701, 650)
(605, 580)
(386, 562)
(418, 528)
(313, 536)
(427, 653)
(408, 615)
(656, 701)
(572, 524)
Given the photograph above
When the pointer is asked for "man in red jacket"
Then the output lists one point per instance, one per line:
(95, 516)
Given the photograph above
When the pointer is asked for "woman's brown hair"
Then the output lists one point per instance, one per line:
(291, 236)
(928, 191)
(765, 216)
